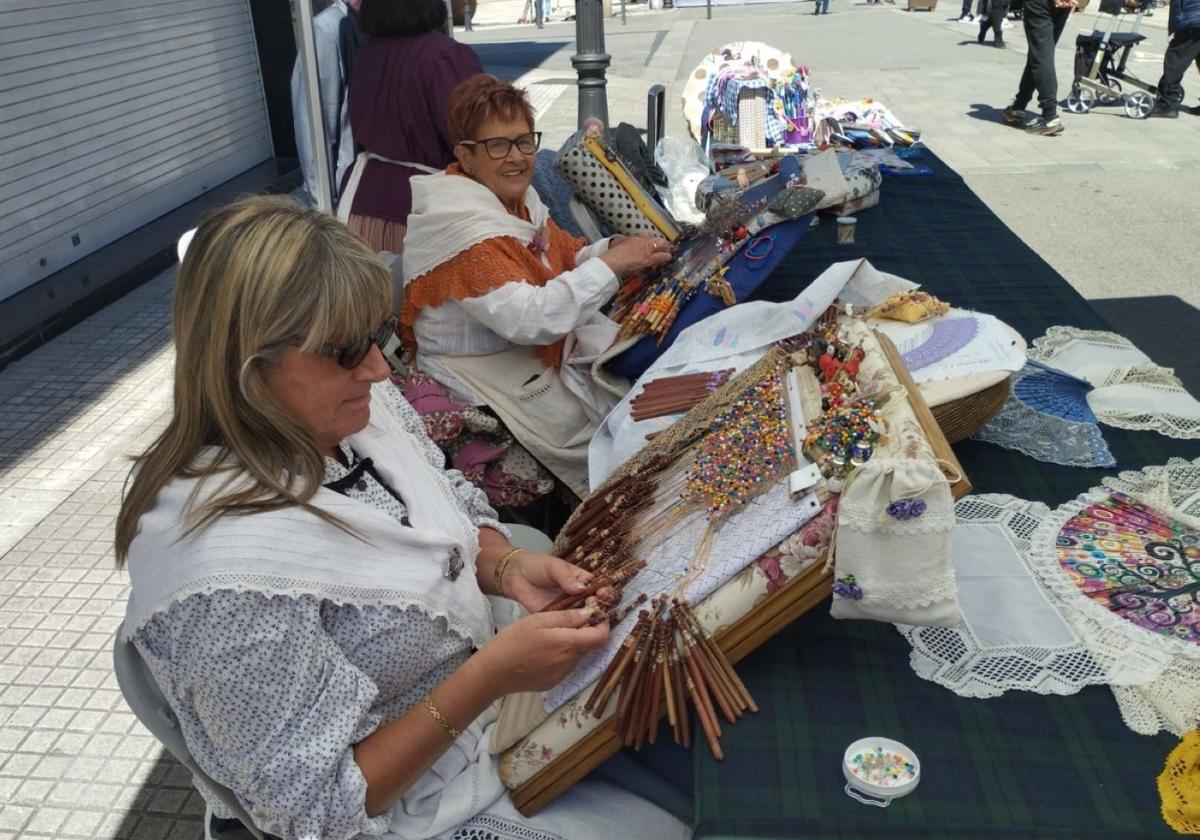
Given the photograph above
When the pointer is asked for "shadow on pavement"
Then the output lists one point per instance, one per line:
(166, 806)
(524, 54)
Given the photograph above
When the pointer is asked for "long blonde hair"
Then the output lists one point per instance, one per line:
(259, 273)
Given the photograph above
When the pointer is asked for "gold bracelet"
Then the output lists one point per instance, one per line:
(436, 715)
(501, 565)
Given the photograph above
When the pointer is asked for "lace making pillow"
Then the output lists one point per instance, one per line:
(892, 557)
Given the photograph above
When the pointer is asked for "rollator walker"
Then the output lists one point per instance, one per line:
(1101, 77)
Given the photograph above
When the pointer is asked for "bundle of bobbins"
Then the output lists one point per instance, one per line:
(669, 659)
(600, 539)
(675, 394)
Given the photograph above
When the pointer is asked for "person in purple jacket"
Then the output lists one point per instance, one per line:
(402, 79)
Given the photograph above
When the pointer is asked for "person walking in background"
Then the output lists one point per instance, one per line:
(336, 40)
(966, 16)
(1044, 21)
(820, 7)
(1184, 26)
(402, 80)
(994, 12)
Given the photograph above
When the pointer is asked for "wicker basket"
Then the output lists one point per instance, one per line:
(959, 419)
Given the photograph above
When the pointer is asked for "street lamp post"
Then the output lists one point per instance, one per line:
(591, 61)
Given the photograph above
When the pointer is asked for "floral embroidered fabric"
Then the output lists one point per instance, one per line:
(476, 443)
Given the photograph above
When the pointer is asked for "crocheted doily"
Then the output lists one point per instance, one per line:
(1122, 564)
(1101, 590)
(1078, 378)
(1179, 785)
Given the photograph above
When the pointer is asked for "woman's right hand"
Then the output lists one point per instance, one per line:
(537, 652)
(636, 253)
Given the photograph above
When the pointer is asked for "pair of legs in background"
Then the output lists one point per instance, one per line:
(1044, 23)
(992, 17)
(1182, 52)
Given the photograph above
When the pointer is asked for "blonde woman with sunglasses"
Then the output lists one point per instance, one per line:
(500, 304)
(309, 584)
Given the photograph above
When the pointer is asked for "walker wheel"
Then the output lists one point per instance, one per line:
(1138, 105)
(1081, 99)
(1113, 96)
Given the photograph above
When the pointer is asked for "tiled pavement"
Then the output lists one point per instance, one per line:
(74, 762)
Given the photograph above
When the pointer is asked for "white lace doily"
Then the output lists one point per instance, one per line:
(1131, 392)
(1011, 636)
(1156, 677)
(1027, 626)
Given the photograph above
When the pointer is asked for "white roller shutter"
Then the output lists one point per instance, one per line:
(114, 112)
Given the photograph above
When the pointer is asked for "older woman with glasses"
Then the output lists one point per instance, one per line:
(501, 305)
(309, 585)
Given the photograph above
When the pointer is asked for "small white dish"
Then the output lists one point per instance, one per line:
(881, 769)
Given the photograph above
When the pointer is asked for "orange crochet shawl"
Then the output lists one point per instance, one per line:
(486, 267)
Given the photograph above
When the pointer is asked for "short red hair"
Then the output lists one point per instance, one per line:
(477, 99)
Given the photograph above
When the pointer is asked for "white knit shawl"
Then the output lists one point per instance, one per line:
(451, 213)
(291, 552)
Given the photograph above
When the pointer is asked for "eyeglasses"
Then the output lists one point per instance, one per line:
(499, 147)
(352, 354)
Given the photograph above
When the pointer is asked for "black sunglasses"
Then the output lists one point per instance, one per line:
(352, 354)
(499, 147)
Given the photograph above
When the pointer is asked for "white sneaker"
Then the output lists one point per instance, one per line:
(1005, 24)
(966, 19)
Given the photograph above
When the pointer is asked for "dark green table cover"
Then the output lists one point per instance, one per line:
(1021, 765)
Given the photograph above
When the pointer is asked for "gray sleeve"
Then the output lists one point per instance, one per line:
(473, 501)
(270, 707)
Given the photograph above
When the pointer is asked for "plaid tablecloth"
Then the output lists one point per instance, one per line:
(1022, 765)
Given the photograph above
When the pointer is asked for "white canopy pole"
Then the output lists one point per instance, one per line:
(306, 53)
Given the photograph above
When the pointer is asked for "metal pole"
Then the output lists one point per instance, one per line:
(450, 18)
(622, 12)
(708, 9)
(591, 61)
(306, 53)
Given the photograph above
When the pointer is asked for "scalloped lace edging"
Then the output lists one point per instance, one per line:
(907, 596)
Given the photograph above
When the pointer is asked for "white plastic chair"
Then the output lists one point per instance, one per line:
(147, 702)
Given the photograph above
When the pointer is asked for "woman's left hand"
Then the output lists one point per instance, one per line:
(534, 580)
